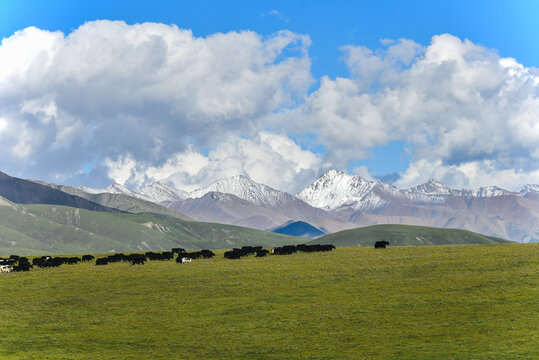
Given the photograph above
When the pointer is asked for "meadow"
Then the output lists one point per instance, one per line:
(410, 302)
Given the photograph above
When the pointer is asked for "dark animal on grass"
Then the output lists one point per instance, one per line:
(207, 254)
(203, 254)
(47, 261)
(117, 257)
(232, 255)
(178, 250)
(14, 257)
(102, 261)
(381, 244)
(238, 253)
(154, 256)
(87, 257)
(71, 260)
(168, 255)
(285, 250)
(194, 254)
(291, 249)
(25, 266)
(137, 259)
(262, 253)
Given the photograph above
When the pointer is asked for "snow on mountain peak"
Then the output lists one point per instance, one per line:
(90, 190)
(116, 188)
(158, 192)
(490, 191)
(432, 187)
(244, 188)
(335, 189)
(528, 188)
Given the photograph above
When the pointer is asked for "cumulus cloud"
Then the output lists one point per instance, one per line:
(109, 89)
(144, 102)
(269, 158)
(469, 117)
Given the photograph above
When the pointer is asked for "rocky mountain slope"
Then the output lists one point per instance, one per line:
(488, 210)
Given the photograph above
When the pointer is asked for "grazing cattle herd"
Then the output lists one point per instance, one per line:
(20, 263)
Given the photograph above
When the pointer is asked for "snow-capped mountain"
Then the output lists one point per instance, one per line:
(335, 189)
(90, 190)
(114, 188)
(245, 189)
(432, 187)
(528, 188)
(489, 191)
(338, 201)
(158, 193)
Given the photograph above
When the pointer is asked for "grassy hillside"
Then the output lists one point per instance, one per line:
(24, 191)
(49, 229)
(421, 302)
(401, 235)
(123, 202)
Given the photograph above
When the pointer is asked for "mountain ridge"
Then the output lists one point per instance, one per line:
(338, 201)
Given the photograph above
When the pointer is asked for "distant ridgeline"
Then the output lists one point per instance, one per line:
(40, 218)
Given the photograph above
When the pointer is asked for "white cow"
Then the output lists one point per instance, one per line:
(185, 260)
(6, 268)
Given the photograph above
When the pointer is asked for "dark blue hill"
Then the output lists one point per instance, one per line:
(299, 228)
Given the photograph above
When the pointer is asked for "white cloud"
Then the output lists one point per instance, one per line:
(122, 169)
(153, 102)
(466, 114)
(469, 175)
(272, 159)
(110, 89)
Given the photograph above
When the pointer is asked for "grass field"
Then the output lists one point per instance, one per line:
(424, 302)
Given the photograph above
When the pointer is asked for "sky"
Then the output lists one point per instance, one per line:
(186, 93)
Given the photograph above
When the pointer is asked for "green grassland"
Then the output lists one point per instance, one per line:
(52, 229)
(402, 235)
(410, 302)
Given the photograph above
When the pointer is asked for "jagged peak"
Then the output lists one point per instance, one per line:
(528, 188)
(432, 186)
(244, 188)
(435, 182)
(333, 173)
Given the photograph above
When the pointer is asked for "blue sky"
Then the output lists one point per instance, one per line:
(505, 28)
(510, 27)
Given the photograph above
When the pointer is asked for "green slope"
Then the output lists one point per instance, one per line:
(122, 202)
(49, 229)
(402, 235)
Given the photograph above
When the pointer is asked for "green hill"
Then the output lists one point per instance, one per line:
(50, 229)
(402, 235)
(23, 191)
(122, 202)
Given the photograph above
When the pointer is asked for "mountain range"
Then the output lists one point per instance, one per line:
(338, 201)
